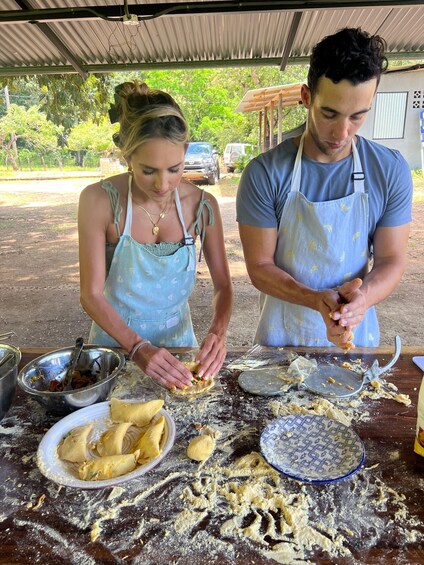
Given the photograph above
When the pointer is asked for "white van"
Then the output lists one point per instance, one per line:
(233, 151)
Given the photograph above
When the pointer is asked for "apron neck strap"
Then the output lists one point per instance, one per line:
(358, 176)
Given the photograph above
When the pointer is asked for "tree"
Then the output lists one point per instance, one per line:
(89, 136)
(209, 97)
(65, 99)
(29, 125)
(93, 137)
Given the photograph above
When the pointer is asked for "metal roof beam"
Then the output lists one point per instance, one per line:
(297, 16)
(57, 42)
(151, 11)
(110, 68)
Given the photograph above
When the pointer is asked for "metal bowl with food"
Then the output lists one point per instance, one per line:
(94, 376)
(9, 360)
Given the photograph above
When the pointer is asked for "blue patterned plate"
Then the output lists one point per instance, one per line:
(312, 449)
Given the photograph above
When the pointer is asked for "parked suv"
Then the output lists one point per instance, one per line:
(233, 152)
(201, 162)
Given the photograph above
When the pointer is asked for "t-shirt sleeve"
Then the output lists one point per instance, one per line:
(398, 210)
(255, 202)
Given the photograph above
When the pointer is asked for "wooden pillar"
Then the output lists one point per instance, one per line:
(266, 128)
(260, 142)
(271, 124)
(280, 118)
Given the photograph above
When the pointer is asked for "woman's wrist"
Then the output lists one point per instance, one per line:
(141, 343)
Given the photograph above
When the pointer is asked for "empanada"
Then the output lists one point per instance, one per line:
(149, 443)
(199, 384)
(73, 446)
(110, 442)
(138, 413)
(108, 467)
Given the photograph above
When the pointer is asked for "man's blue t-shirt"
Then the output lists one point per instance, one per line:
(266, 181)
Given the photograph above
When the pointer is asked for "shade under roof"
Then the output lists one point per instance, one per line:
(59, 36)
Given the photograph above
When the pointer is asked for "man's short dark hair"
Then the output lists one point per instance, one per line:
(350, 54)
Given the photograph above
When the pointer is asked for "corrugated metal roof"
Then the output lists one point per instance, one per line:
(36, 37)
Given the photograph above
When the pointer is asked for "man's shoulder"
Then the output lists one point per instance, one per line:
(373, 149)
(286, 150)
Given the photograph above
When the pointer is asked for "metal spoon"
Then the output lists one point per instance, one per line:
(67, 382)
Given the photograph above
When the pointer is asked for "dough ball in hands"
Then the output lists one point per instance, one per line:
(349, 344)
(201, 447)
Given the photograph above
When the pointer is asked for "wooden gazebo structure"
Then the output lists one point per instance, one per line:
(269, 103)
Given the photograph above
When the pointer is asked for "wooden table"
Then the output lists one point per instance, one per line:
(186, 514)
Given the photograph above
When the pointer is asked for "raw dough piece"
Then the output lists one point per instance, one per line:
(192, 366)
(110, 442)
(149, 443)
(108, 467)
(198, 387)
(73, 446)
(138, 413)
(201, 447)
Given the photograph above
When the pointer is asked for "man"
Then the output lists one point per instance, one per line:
(324, 217)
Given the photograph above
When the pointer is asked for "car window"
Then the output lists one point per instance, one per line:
(198, 150)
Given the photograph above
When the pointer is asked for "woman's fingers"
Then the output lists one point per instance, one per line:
(164, 368)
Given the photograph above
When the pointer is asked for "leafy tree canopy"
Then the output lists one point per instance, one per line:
(92, 136)
(31, 125)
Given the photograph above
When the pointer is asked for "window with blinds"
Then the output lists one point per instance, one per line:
(390, 113)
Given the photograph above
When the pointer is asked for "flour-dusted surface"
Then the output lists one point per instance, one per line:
(231, 508)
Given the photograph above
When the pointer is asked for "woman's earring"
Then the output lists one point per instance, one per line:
(130, 171)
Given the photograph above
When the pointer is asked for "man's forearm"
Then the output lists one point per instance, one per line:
(381, 281)
(272, 280)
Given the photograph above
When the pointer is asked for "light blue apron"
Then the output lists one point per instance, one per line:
(327, 245)
(151, 292)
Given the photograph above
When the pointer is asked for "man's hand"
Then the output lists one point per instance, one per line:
(330, 301)
(353, 304)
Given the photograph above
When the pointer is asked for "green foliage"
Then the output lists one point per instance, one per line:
(70, 99)
(243, 160)
(31, 125)
(209, 97)
(91, 136)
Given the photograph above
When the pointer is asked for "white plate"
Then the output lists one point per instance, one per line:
(64, 473)
(312, 449)
(419, 361)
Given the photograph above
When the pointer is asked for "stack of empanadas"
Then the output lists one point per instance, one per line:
(118, 451)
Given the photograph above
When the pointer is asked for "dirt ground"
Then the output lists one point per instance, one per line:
(39, 281)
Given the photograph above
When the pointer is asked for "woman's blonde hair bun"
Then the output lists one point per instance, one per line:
(144, 114)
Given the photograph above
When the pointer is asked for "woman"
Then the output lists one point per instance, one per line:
(148, 220)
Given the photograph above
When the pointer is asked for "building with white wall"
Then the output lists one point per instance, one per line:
(395, 119)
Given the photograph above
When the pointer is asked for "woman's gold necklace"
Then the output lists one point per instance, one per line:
(161, 215)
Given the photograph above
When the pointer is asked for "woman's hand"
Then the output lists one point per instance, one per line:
(161, 366)
(212, 354)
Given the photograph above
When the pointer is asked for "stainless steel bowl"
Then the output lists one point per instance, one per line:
(8, 377)
(103, 362)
